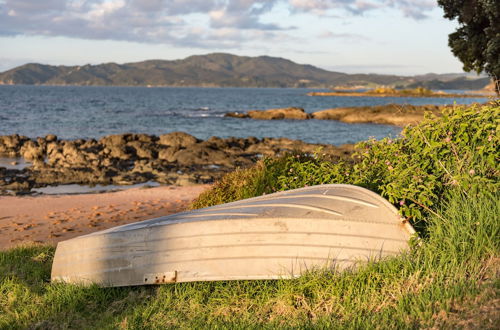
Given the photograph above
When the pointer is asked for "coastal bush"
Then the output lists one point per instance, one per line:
(415, 171)
(236, 185)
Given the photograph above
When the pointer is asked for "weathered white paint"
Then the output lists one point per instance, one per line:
(279, 235)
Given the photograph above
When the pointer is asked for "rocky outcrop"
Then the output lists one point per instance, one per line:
(10, 144)
(177, 139)
(391, 114)
(273, 114)
(174, 158)
(235, 114)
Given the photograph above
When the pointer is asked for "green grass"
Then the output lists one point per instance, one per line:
(457, 263)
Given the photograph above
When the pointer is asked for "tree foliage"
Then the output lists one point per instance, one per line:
(476, 42)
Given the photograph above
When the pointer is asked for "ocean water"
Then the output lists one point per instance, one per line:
(73, 112)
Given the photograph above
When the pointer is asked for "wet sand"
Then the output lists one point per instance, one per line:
(51, 219)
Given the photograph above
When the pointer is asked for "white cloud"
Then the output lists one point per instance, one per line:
(243, 14)
(416, 9)
(352, 37)
(105, 9)
(227, 23)
(31, 6)
(411, 8)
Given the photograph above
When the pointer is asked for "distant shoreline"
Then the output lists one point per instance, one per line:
(470, 92)
(438, 95)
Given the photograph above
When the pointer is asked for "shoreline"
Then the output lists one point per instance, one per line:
(125, 159)
(48, 219)
(400, 95)
(339, 89)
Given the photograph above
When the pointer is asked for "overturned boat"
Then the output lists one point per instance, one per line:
(280, 235)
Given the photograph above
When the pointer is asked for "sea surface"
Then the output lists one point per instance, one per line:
(73, 112)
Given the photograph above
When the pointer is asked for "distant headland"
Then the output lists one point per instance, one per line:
(224, 70)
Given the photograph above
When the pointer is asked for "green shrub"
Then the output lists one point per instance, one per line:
(240, 184)
(414, 171)
(268, 176)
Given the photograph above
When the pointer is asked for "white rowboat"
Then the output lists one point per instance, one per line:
(280, 235)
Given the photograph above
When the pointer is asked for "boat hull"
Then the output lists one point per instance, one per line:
(275, 236)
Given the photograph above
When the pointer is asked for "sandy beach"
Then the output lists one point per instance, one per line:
(50, 219)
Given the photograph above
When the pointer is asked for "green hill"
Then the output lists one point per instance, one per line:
(212, 70)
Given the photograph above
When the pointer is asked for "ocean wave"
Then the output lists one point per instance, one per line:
(201, 115)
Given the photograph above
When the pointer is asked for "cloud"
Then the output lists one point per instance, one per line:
(323, 7)
(225, 18)
(344, 36)
(410, 8)
(196, 23)
(413, 8)
(26, 6)
(90, 19)
(156, 21)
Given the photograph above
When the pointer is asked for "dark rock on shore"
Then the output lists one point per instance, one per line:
(177, 139)
(174, 158)
(10, 144)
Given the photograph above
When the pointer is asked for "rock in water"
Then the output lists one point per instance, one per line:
(236, 114)
(281, 113)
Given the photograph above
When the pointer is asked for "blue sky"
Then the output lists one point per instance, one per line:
(356, 36)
